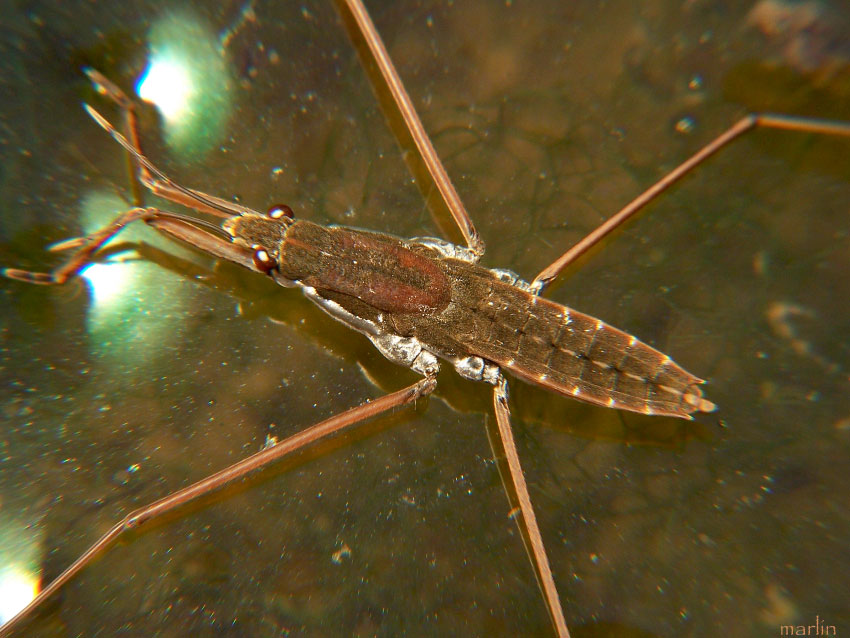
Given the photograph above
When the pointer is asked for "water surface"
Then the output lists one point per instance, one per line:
(549, 116)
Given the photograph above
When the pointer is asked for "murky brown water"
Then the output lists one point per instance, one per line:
(550, 116)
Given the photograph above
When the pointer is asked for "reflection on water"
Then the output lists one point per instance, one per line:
(550, 116)
(128, 319)
(107, 281)
(20, 557)
(189, 79)
(17, 588)
(167, 85)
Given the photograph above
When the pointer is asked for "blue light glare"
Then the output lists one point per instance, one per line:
(107, 281)
(168, 85)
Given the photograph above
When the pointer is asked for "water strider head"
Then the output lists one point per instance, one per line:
(261, 233)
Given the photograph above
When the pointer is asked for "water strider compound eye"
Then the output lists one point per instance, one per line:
(281, 210)
(263, 261)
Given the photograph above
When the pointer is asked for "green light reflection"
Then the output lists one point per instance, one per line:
(129, 318)
(189, 80)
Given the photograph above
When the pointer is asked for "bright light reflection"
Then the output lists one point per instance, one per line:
(129, 318)
(17, 588)
(189, 80)
(107, 281)
(168, 85)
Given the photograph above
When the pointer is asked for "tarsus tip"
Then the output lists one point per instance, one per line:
(707, 406)
(97, 117)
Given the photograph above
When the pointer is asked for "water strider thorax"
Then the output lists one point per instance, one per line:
(377, 269)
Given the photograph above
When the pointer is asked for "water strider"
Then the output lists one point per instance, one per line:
(413, 298)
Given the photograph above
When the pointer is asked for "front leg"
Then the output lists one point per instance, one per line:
(197, 233)
(86, 247)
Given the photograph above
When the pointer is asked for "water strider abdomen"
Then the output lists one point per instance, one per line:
(572, 353)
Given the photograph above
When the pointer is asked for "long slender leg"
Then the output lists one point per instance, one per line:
(414, 125)
(199, 233)
(766, 120)
(537, 550)
(144, 515)
(474, 242)
(86, 247)
(128, 109)
(159, 183)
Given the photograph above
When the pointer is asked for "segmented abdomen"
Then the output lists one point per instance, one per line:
(575, 354)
